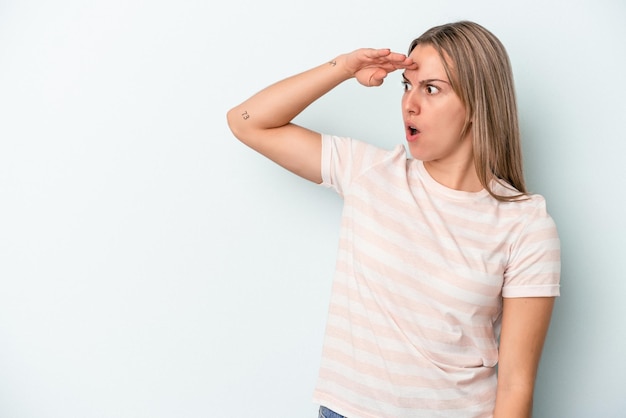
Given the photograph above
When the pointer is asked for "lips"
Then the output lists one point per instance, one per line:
(412, 133)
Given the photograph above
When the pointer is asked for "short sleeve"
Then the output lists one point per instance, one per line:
(344, 159)
(534, 267)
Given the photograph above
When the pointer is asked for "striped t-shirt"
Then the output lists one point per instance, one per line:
(416, 302)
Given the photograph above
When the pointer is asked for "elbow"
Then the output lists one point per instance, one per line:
(233, 122)
(239, 124)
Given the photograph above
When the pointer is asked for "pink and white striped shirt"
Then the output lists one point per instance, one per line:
(416, 303)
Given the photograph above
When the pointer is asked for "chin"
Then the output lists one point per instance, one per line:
(415, 153)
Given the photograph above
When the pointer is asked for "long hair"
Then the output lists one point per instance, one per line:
(479, 71)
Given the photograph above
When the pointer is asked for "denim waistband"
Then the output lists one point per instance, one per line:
(327, 413)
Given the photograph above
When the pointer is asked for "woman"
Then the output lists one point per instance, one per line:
(446, 265)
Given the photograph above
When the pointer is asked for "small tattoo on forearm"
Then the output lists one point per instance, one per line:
(333, 63)
(245, 115)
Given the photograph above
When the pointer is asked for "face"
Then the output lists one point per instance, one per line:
(433, 114)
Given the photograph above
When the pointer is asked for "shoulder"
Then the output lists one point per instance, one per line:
(536, 227)
(342, 150)
(346, 159)
(525, 219)
(532, 214)
(532, 204)
(354, 145)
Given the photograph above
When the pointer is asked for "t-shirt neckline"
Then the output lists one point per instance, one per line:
(439, 188)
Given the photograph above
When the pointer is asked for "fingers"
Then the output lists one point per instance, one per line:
(377, 78)
(381, 52)
(370, 66)
(386, 54)
(386, 58)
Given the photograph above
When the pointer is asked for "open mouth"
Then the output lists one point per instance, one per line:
(412, 132)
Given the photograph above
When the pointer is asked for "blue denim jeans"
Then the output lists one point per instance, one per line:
(327, 413)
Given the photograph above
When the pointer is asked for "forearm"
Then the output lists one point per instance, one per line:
(278, 104)
(525, 324)
(514, 402)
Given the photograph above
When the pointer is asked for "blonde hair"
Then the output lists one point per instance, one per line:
(479, 71)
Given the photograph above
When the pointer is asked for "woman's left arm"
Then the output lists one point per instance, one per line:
(525, 323)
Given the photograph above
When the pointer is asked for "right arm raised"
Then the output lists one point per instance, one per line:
(263, 122)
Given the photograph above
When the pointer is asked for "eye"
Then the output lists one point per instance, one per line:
(430, 89)
(406, 85)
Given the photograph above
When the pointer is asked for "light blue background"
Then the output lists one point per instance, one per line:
(153, 266)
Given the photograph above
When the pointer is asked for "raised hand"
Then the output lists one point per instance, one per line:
(370, 66)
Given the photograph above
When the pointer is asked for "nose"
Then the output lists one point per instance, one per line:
(411, 103)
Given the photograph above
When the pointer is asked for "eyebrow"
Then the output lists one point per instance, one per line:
(427, 81)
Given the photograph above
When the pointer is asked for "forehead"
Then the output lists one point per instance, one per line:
(429, 63)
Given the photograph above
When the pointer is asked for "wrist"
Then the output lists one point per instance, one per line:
(340, 65)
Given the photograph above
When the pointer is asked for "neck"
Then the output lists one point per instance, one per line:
(455, 175)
